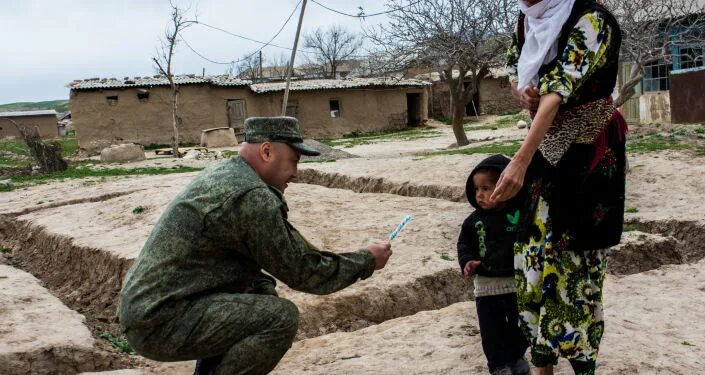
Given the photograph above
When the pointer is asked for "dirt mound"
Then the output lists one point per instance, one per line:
(380, 185)
(40, 335)
(657, 243)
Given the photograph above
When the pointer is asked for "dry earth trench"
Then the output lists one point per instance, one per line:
(68, 245)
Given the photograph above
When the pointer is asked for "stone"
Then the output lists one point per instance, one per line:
(521, 124)
(218, 137)
(192, 155)
(123, 153)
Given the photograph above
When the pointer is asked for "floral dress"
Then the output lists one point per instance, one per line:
(559, 287)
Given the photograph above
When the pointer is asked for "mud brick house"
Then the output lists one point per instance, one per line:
(108, 111)
(493, 97)
(45, 120)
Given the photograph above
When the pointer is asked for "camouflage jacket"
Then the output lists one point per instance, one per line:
(217, 236)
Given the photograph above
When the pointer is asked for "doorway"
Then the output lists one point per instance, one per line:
(413, 108)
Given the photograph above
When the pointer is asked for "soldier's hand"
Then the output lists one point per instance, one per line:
(381, 250)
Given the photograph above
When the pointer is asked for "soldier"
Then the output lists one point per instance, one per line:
(197, 290)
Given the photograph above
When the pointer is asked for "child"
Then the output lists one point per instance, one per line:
(485, 249)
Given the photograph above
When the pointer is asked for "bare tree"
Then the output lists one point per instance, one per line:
(278, 66)
(249, 67)
(653, 31)
(332, 47)
(460, 39)
(47, 155)
(164, 64)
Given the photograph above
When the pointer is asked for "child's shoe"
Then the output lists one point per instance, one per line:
(504, 370)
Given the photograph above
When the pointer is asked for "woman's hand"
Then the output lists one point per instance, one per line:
(529, 98)
(510, 181)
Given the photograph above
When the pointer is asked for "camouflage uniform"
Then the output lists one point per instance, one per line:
(197, 289)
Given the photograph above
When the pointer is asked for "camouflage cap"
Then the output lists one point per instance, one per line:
(277, 129)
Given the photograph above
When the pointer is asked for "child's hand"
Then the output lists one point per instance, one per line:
(469, 268)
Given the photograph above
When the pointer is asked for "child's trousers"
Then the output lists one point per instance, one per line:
(502, 341)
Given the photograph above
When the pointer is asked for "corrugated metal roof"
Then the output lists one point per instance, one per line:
(303, 85)
(114, 83)
(435, 76)
(330, 84)
(229, 81)
(29, 113)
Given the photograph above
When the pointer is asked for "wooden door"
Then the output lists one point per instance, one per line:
(236, 115)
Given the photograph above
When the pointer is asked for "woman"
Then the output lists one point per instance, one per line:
(563, 63)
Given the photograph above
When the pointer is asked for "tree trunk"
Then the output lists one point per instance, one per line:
(627, 90)
(47, 155)
(458, 117)
(175, 120)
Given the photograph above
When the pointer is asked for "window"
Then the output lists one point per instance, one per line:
(334, 107)
(143, 95)
(656, 76)
(112, 100)
(691, 57)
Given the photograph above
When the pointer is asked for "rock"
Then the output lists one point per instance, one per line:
(123, 153)
(192, 155)
(521, 124)
(218, 137)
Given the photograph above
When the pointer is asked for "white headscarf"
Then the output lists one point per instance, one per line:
(542, 27)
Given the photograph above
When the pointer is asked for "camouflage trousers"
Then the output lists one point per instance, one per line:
(251, 332)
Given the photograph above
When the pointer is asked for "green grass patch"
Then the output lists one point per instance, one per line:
(119, 343)
(79, 170)
(508, 149)
(631, 210)
(138, 210)
(447, 257)
(229, 153)
(62, 105)
(629, 228)
(16, 151)
(358, 138)
(508, 121)
(4, 250)
(655, 142)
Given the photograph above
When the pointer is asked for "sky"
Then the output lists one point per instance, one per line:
(46, 44)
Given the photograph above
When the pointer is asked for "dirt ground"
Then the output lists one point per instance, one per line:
(79, 238)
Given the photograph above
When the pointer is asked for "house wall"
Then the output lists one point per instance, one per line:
(686, 97)
(362, 110)
(496, 97)
(47, 125)
(99, 123)
(655, 107)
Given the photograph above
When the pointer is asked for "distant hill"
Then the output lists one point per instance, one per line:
(58, 105)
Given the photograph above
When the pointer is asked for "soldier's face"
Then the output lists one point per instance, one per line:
(284, 165)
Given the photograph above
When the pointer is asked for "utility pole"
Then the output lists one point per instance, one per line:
(291, 61)
(260, 65)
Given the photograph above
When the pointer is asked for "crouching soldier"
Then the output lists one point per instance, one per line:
(197, 290)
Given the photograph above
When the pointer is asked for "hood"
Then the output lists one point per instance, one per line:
(498, 162)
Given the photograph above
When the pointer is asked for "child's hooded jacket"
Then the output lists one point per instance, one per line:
(489, 235)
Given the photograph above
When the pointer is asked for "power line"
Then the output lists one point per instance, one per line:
(362, 14)
(243, 37)
(203, 57)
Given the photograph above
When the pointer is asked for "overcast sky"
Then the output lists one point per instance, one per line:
(48, 43)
